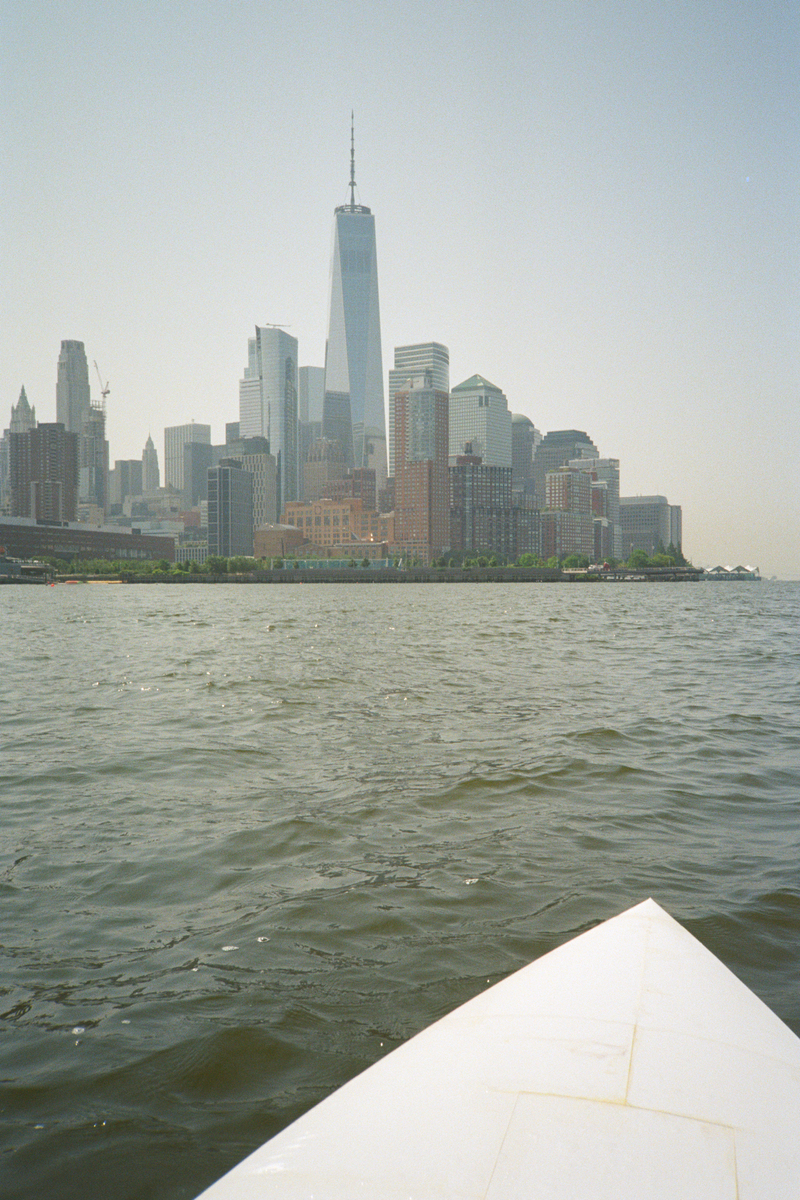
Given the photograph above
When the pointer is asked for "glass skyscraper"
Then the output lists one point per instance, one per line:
(353, 409)
(268, 403)
(410, 362)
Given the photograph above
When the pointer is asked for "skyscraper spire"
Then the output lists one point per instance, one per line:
(352, 160)
(23, 417)
(353, 411)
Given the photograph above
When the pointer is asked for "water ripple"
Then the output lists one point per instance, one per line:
(252, 838)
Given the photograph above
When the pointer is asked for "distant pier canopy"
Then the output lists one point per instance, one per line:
(731, 573)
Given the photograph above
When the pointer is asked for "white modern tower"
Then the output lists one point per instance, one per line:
(410, 362)
(353, 411)
(268, 403)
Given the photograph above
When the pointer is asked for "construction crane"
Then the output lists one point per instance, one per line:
(104, 388)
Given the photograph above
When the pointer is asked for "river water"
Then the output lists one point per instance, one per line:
(254, 837)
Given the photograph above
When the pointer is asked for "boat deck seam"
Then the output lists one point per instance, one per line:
(638, 1008)
(501, 1144)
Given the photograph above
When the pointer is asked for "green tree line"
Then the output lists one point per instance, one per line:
(241, 565)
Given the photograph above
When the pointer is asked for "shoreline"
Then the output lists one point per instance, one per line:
(428, 575)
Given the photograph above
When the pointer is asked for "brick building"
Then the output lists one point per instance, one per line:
(336, 524)
(43, 470)
(422, 481)
(483, 517)
(568, 522)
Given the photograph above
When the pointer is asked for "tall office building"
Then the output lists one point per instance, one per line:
(415, 360)
(569, 490)
(44, 473)
(151, 476)
(567, 520)
(357, 484)
(353, 409)
(254, 456)
(555, 450)
(268, 400)
(480, 506)
(311, 394)
(525, 437)
(649, 523)
(175, 438)
(197, 458)
(23, 418)
(72, 387)
(324, 462)
(124, 480)
(230, 509)
(605, 471)
(311, 400)
(93, 460)
(75, 411)
(422, 481)
(479, 417)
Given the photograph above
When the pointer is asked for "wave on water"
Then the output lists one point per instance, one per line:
(253, 838)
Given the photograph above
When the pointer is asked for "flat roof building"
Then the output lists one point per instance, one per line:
(43, 473)
(125, 479)
(27, 538)
(649, 523)
(230, 510)
(605, 471)
(176, 437)
(254, 456)
(268, 404)
(329, 524)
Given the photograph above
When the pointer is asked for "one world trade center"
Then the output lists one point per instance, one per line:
(353, 410)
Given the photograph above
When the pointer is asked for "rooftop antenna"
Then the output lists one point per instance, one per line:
(352, 161)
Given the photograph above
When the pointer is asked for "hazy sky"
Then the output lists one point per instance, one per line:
(593, 203)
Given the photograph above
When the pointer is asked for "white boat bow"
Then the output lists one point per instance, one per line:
(628, 1064)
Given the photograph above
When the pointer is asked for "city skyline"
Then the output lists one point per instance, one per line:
(608, 235)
